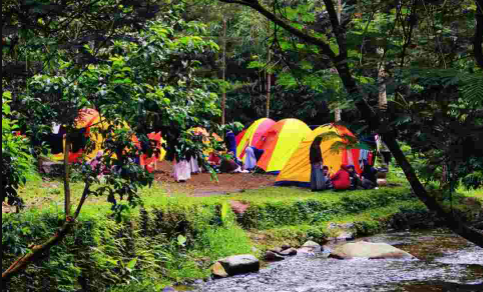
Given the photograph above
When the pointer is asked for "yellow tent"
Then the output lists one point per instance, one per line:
(297, 170)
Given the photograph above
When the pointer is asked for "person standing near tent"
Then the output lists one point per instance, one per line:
(384, 151)
(316, 161)
(181, 170)
(230, 142)
(341, 179)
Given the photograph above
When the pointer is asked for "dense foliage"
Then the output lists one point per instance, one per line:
(155, 66)
(16, 160)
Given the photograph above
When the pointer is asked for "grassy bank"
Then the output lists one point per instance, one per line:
(174, 239)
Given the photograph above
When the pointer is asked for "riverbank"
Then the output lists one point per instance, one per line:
(176, 238)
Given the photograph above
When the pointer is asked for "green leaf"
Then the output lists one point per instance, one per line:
(132, 263)
(181, 240)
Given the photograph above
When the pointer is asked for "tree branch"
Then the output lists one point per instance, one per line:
(337, 28)
(38, 252)
(326, 50)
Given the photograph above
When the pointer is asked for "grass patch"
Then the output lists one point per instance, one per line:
(176, 238)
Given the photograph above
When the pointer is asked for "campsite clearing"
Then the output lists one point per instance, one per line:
(202, 185)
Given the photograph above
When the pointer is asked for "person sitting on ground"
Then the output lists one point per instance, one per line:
(354, 178)
(237, 161)
(252, 156)
(341, 179)
(369, 176)
(326, 177)
(228, 165)
(214, 159)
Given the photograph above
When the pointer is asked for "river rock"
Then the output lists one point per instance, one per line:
(289, 252)
(285, 246)
(363, 249)
(218, 271)
(276, 249)
(240, 264)
(312, 245)
(344, 231)
(273, 256)
(305, 251)
(169, 289)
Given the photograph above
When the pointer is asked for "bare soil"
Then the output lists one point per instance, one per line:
(202, 185)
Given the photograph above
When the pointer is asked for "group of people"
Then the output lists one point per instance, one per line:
(346, 178)
(218, 160)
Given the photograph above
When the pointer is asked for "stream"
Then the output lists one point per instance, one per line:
(445, 262)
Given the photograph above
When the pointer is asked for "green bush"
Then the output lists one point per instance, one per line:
(17, 163)
(286, 211)
(169, 242)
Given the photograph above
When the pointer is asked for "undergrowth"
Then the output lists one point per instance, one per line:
(176, 239)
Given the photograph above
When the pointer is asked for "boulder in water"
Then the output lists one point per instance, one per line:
(240, 264)
(273, 256)
(312, 245)
(363, 249)
(289, 252)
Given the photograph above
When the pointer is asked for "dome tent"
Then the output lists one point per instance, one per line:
(253, 134)
(280, 142)
(297, 169)
(90, 118)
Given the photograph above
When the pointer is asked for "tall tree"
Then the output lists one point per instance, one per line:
(338, 54)
(132, 70)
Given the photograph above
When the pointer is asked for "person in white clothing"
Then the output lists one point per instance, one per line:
(181, 170)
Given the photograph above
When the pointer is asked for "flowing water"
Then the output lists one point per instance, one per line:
(445, 263)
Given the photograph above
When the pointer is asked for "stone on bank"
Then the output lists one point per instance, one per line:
(235, 265)
(364, 249)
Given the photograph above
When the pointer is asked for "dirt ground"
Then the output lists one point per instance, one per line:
(202, 185)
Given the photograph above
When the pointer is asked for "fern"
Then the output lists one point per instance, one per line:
(470, 84)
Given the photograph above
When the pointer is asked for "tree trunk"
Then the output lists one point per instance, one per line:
(337, 110)
(67, 193)
(381, 83)
(223, 98)
(269, 86)
(388, 137)
(478, 38)
(39, 252)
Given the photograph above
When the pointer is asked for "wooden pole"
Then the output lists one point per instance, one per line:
(67, 193)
